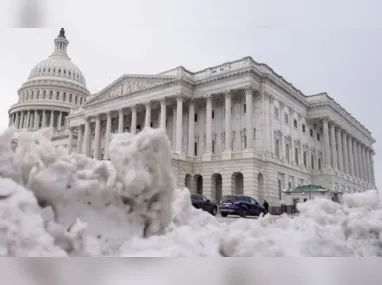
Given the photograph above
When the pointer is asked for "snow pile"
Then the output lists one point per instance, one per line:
(128, 206)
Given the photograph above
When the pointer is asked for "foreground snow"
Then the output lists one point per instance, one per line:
(129, 206)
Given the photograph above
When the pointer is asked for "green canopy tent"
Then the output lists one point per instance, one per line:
(310, 188)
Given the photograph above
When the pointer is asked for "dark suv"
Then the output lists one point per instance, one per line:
(240, 205)
(201, 202)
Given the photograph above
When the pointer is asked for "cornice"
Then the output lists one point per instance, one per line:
(93, 102)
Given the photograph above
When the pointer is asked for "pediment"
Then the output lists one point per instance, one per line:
(128, 85)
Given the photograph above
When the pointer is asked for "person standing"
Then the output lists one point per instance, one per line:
(265, 205)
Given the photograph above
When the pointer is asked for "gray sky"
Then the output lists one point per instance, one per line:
(319, 45)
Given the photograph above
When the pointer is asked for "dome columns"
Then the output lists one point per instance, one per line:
(36, 119)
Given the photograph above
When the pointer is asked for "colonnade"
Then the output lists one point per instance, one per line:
(94, 122)
(36, 119)
(344, 152)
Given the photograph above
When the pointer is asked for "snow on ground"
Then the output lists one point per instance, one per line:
(129, 206)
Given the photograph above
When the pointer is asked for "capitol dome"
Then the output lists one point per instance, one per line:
(54, 87)
(58, 64)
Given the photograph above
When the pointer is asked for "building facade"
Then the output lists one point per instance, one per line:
(234, 128)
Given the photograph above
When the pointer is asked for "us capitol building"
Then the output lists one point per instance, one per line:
(238, 127)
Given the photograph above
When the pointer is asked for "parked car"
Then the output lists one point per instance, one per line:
(240, 205)
(201, 202)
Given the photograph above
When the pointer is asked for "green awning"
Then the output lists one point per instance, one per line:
(310, 187)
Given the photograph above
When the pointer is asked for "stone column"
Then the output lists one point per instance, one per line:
(28, 119)
(97, 137)
(325, 128)
(249, 117)
(107, 134)
(148, 114)
(372, 167)
(52, 119)
(133, 119)
(355, 159)
(228, 123)
(21, 125)
(43, 123)
(70, 142)
(368, 168)
(80, 139)
(333, 149)
(163, 113)
(179, 124)
(339, 150)
(59, 123)
(86, 146)
(208, 149)
(351, 158)
(17, 122)
(120, 121)
(36, 120)
(364, 166)
(345, 152)
(191, 128)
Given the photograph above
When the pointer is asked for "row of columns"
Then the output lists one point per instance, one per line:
(35, 119)
(85, 143)
(345, 153)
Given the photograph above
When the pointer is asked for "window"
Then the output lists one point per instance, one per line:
(64, 97)
(245, 141)
(319, 163)
(295, 123)
(286, 118)
(213, 146)
(304, 159)
(318, 136)
(57, 95)
(70, 97)
(311, 132)
(81, 101)
(245, 108)
(276, 112)
(303, 128)
(287, 152)
(213, 114)
(196, 149)
(280, 187)
(195, 117)
(38, 94)
(277, 148)
(312, 161)
(289, 185)
(296, 155)
(50, 94)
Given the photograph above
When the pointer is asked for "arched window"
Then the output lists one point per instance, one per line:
(75, 99)
(51, 94)
(64, 97)
(70, 97)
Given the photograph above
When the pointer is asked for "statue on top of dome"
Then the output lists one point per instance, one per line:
(62, 33)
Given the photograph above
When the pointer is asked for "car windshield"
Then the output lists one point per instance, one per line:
(196, 197)
(230, 198)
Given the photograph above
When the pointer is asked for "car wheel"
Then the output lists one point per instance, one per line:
(243, 214)
(224, 215)
(214, 211)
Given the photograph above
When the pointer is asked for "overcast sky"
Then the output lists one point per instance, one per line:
(325, 45)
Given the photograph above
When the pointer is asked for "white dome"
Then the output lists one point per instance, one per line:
(58, 66)
(59, 63)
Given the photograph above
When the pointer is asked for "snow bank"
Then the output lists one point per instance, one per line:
(128, 206)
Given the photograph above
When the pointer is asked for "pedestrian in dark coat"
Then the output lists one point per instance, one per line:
(266, 205)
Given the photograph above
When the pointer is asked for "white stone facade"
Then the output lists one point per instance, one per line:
(234, 128)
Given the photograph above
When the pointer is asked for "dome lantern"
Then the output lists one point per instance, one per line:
(60, 44)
